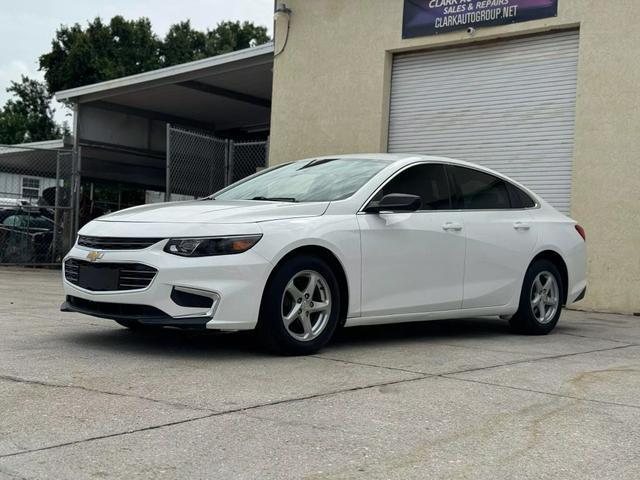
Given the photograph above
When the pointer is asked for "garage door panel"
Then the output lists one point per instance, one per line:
(557, 69)
(506, 105)
(516, 98)
(500, 52)
(479, 70)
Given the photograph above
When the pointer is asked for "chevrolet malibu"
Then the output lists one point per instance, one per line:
(298, 250)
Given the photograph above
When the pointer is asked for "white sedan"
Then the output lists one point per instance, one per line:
(301, 249)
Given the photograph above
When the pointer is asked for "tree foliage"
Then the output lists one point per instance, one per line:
(122, 47)
(101, 51)
(28, 117)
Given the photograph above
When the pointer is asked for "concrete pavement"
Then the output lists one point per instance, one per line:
(84, 398)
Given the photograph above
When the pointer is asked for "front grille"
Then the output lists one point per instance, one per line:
(108, 276)
(116, 243)
(72, 271)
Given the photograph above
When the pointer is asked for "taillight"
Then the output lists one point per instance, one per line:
(582, 233)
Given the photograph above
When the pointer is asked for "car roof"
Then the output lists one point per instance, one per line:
(395, 157)
(403, 159)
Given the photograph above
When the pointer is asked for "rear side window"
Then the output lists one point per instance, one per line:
(428, 181)
(480, 191)
(519, 199)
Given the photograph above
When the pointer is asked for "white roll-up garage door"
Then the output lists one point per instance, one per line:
(507, 105)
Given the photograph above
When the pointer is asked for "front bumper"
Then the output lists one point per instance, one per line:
(143, 314)
(235, 282)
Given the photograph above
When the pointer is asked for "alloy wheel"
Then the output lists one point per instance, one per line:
(306, 305)
(545, 297)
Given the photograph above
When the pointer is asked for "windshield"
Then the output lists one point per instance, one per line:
(320, 180)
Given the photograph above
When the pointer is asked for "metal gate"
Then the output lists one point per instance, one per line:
(200, 163)
(38, 204)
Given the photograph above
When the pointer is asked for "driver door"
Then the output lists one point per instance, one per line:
(413, 262)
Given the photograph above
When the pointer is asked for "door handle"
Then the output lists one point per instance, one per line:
(521, 226)
(452, 226)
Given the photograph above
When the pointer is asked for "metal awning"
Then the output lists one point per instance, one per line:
(120, 124)
(227, 91)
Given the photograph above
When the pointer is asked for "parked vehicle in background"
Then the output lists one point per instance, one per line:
(301, 249)
(26, 235)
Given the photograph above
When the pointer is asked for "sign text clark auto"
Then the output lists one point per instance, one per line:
(429, 17)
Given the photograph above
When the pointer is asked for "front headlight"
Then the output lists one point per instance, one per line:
(207, 247)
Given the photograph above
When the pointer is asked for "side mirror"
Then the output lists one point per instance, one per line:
(395, 202)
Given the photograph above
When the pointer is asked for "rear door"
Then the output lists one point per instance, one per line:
(500, 237)
(413, 262)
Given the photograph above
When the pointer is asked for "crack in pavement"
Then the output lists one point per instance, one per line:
(475, 369)
(530, 390)
(211, 414)
(216, 414)
(41, 383)
(537, 359)
(600, 338)
(11, 474)
(363, 364)
(450, 375)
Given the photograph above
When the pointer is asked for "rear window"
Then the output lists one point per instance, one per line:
(480, 191)
(519, 199)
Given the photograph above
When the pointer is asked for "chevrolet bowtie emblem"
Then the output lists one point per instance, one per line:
(93, 256)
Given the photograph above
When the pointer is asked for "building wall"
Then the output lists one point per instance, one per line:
(11, 184)
(331, 95)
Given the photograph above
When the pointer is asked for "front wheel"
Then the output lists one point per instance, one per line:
(540, 300)
(300, 307)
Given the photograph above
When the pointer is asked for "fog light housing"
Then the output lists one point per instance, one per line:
(190, 299)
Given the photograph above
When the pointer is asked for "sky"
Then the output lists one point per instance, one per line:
(27, 27)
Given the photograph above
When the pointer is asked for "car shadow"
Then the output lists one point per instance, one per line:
(176, 343)
(422, 331)
(168, 342)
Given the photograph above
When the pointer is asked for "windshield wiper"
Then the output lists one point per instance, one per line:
(316, 162)
(276, 199)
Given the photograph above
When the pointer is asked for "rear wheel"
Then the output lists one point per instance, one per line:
(300, 306)
(540, 300)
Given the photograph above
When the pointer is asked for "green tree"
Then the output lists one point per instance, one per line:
(125, 47)
(100, 52)
(28, 117)
(230, 36)
(182, 44)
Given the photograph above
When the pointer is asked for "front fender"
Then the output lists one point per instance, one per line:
(339, 234)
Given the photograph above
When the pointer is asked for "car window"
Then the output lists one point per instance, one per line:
(428, 181)
(24, 221)
(519, 199)
(479, 190)
(318, 180)
(13, 221)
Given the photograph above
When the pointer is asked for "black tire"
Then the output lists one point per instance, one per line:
(271, 329)
(525, 320)
(135, 326)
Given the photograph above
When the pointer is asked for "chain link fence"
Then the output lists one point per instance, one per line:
(199, 163)
(247, 158)
(37, 214)
(40, 194)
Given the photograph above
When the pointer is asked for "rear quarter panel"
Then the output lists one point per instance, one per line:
(558, 234)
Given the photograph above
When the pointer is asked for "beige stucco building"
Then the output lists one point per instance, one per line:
(335, 86)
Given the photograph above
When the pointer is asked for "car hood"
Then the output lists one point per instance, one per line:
(216, 211)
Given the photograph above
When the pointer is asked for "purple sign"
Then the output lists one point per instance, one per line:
(430, 17)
